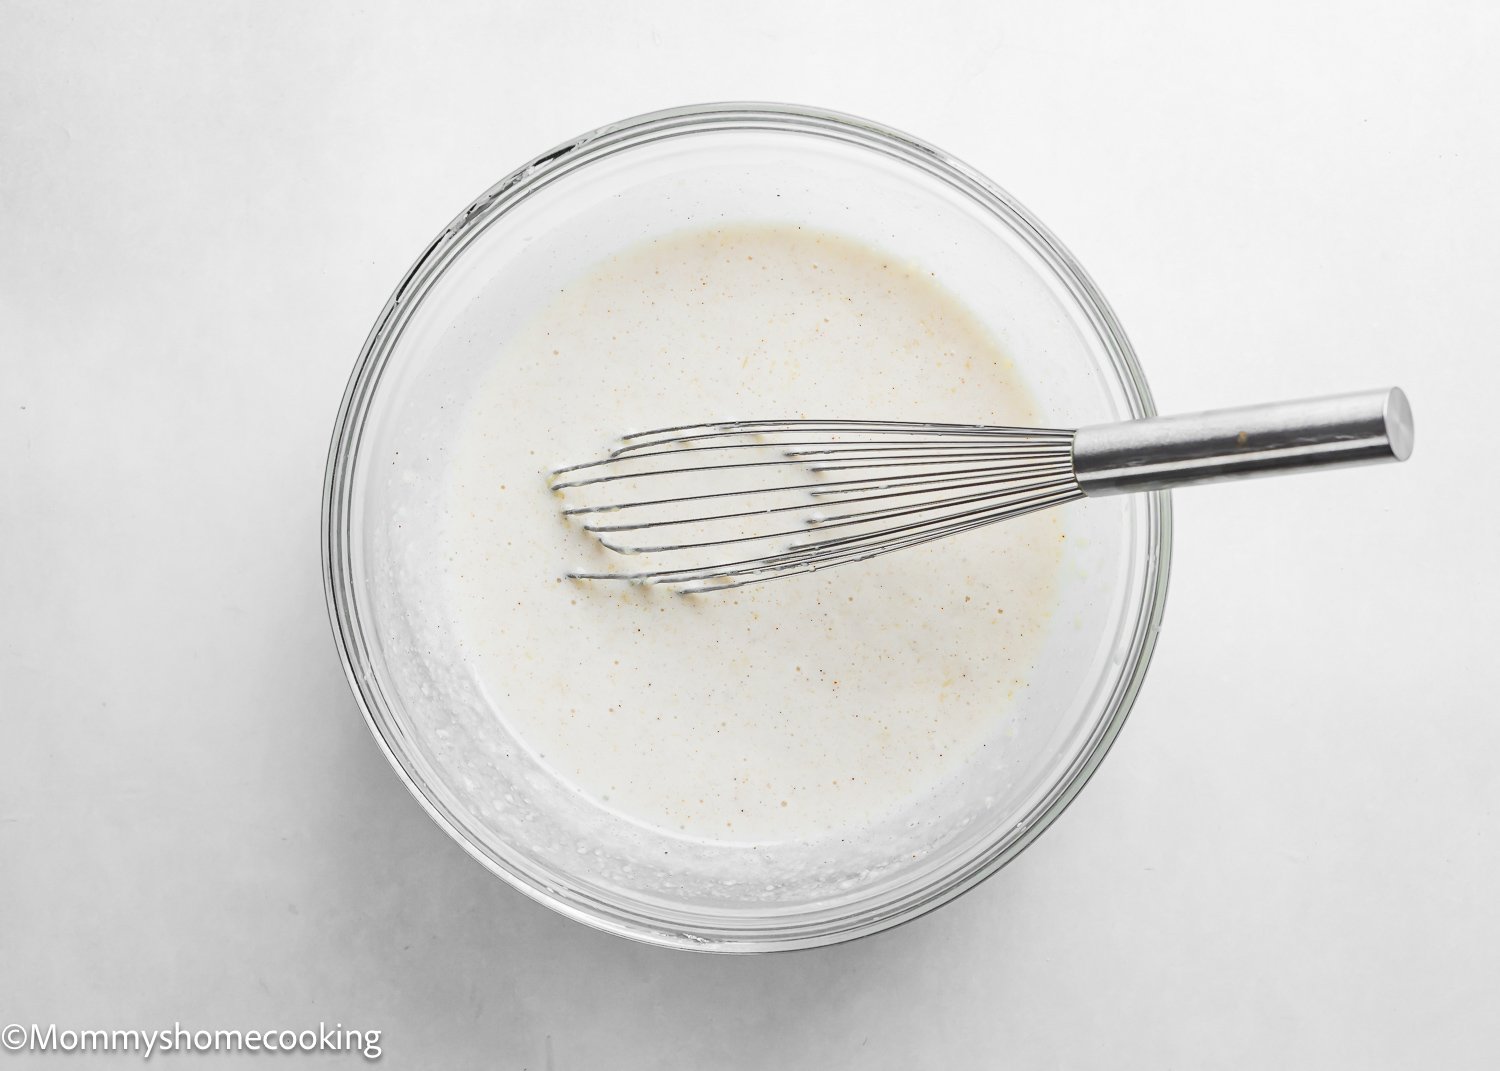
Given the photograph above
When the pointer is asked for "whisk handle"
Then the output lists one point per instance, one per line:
(1254, 440)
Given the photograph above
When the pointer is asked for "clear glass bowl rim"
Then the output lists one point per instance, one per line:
(629, 919)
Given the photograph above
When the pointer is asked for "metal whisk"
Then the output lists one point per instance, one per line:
(721, 505)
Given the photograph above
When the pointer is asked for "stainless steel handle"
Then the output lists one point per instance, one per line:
(1254, 440)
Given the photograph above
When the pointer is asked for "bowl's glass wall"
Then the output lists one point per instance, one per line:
(487, 274)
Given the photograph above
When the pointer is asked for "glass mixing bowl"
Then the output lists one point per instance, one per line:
(507, 253)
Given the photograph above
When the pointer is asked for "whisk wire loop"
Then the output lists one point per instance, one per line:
(810, 494)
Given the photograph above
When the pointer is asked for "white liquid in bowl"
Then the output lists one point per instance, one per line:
(804, 710)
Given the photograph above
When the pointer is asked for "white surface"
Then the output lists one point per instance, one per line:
(1288, 860)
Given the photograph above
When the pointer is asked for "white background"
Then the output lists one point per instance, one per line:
(1289, 859)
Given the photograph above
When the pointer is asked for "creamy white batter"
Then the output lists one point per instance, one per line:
(791, 710)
